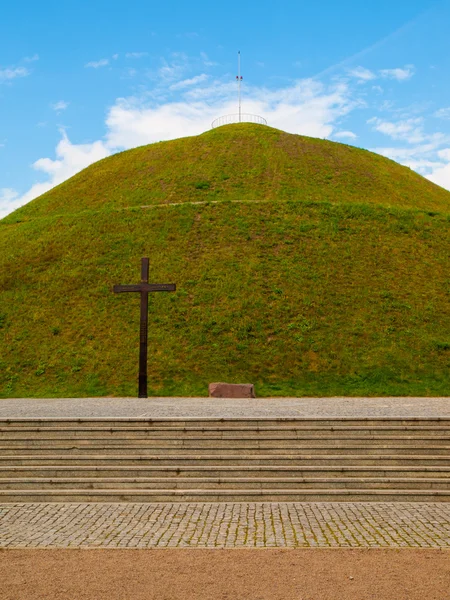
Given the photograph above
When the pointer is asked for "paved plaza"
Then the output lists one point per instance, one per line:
(153, 408)
(225, 525)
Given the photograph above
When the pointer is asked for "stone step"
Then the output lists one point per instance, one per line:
(225, 495)
(223, 441)
(101, 460)
(225, 450)
(218, 483)
(274, 432)
(181, 460)
(229, 423)
(219, 471)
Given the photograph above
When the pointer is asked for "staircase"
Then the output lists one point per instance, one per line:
(205, 460)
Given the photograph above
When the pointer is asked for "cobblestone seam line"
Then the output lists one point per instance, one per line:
(225, 525)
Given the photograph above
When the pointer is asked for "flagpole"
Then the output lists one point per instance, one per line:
(239, 84)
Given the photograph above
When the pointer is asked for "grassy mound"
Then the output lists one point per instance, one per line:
(240, 162)
(303, 266)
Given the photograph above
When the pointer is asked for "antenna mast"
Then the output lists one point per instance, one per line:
(240, 117)
(239, 80)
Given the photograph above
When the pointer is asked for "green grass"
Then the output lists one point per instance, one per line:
(240, 162)
(283, 280)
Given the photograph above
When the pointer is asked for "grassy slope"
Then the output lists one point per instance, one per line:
(240, 162)
(299, 297)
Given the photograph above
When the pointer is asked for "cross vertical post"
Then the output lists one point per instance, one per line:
(143, 333)
(144, 288)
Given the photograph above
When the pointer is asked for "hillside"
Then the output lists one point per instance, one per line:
(304, 266)
(240, 162)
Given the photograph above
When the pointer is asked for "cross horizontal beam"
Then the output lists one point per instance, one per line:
(145, 287)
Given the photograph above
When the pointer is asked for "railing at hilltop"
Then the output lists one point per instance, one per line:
(238, 118)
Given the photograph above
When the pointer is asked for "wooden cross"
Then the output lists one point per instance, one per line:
(144, 288)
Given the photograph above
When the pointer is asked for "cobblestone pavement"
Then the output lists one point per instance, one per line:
(225, 525)
(223, 407)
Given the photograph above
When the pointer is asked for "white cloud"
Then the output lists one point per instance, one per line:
(10, 73)
(410, 130)
(427, 157)
(308, 108)
(177, 68)
(9, 201)
(189, 82)
(131, 124)
(59, 106)
(441, 176)
(440, 173)
(419, 153)
(207, 61)
(443, 113)
(398, 74)
(33, 58)
(115, 56)
(70, 159)
(97, 64)
(424, 153)
(136, 54)
(345, 135)
(173, 69)
(214, 91)
(444, 154)
(422, 165)
(362, 74)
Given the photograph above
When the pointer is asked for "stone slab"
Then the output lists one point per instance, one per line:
(231, 390)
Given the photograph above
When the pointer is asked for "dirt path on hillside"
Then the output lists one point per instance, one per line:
(225, 574)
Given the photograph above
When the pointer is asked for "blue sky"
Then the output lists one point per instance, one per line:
(82, 80)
